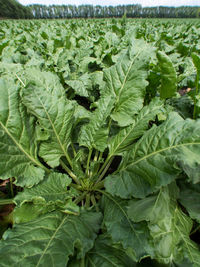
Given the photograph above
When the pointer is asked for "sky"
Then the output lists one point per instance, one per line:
(115, 2)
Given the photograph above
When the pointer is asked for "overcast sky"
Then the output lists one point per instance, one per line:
(114, 2)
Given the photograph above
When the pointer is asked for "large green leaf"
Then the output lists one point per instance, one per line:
(169, 227)
(126, 81)
(45, 98)
(51, 189)
(121, 142)
(18, 144)
(51, 194)
(157, 158)
(168, 76)
(121, 228)
(95, 133)
(190, 199)
(196, 61)
(49, 240)
(107, 254)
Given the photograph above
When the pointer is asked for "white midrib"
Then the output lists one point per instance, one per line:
(20, 147)
(54, 129)
(53, 236)
(159, 151)
(125, 78)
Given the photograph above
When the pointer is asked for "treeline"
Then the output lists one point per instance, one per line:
(131, 11)
(13, 9)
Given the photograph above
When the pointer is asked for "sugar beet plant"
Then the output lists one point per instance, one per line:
(103, 186)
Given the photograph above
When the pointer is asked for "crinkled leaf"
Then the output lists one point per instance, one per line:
(49, 240)
(190, 199)
(169, 227)
(45, 98)
(107, 254)
(157, 158)
(81, 85)
(95, 133)
(121, 142)
(126, 81)
(121, 228)
(168, 76)
(196, 61)
(18, 145)
(54, 188)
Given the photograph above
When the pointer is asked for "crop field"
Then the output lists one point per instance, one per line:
(100, 143)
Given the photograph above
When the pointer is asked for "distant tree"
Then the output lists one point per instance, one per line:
(13, 9)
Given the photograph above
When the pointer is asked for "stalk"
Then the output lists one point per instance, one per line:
(88, 162)
(93, 200)
(87, 201)
(105, 169)
(11, 187)
(80, 198)
(96, 155)
(196, 93)
(71, 174)
(74, 151)
(6, 201)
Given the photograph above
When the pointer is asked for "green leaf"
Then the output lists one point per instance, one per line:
(49, 240)
(126, 136)
(45, 98)
(169, 227)
(121, 228)
(95, 133)
(157, 158)
(190, 199)
(126, 81)
(18, 144)
(168, 86)
(196, 61)
(107, 254)
(81, 85)
(53, 188)
(51, 194)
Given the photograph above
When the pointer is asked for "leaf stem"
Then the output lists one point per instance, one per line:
(105, 169)
(93, 200)
(82, 262)
(99, 185)
(88, 162)
(196, 93)
(71, 174)
(20, 80)
(96, 155)
(74, 150)
(11, 188)
(6, 201)
(87, 201)
(80, 198)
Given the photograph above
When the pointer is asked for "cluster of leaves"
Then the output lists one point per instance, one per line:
(107, 169)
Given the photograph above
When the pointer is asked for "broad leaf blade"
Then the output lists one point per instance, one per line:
(120, 227)
(190, 199)
(169, 227)
(107, 254)
(18, 145)
(95, 133)
(126, 81)
(168, 76)
(51, 189)
(49, 240)
(126, 136)
(157, 158)
(45, 98)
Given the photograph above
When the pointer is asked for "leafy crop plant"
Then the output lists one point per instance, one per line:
(104, 186)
